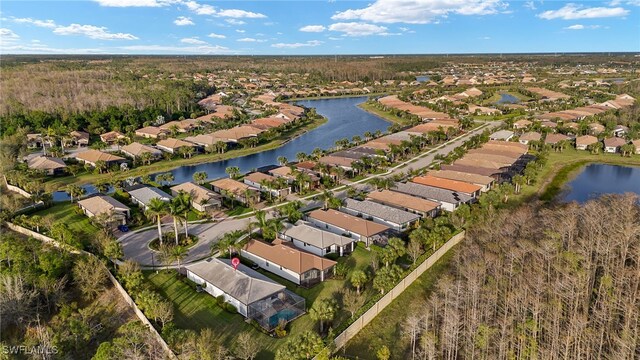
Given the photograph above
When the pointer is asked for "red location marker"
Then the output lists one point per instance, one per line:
(235, 262)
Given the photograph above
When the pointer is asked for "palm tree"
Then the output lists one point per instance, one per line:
(145, 158)
(323, 310)
(184, 199)
(282, 160)
(157, 208)
(233, 171)
(178, 253)
(301, 156)
(176, 210)
(221, 146)
(100, 165)
(358, 279)
(102, 186)
(75, 191)
(326, 197)
(200, 177)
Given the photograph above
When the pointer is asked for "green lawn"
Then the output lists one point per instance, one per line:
(386, 328)
(384, 114)
(199, 310)
(66, 213)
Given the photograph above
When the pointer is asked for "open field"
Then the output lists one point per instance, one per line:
(65, 212)
(384, 114)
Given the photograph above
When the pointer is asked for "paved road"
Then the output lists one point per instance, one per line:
(135, 245)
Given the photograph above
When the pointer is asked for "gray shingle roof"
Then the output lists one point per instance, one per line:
(243, 284)
(145, 194)
(384, 212)
(316, 237)
(431, 193)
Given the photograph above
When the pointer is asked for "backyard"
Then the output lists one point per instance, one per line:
(195, 310)
(65, 213)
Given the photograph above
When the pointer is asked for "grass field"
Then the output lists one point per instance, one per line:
(66, 213)
(384, 114)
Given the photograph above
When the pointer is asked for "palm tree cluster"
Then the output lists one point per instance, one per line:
(178, 208)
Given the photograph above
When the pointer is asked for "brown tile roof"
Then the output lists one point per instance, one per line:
(288, 257)
(136, 149)
(101, 204)
(257, 177)
(151, 130)
(198, 193)
(463, 176)
(270, 122)
(336, 161)
(496, 151)
(111, 136)
(46, 163)
(555, 138)
(172, 143)
(586, 140)
(502, 160)
(514, 146)
(232, 186)
(96, 155)
(348, 222)
(531, 136)
(393, 198)
(614, 142)
(447, 184)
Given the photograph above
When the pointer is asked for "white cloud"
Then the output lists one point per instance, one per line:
(216, 36)
(582, 27)
(155, 49)
(44, 49)
(199, 8)
(627, 2)
(93, 32)
(530, 5)
(235, 22)
(310, 43)
(358, 29)
(419, 11)
(41, 23)
(183, 21)
(573, 11)
(240, 31)
(193, 41)
(248, 39)
(132, 3)
(8, 34)
(236, 14)
(313, 28)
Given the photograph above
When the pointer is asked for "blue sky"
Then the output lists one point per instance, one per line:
(317, 27)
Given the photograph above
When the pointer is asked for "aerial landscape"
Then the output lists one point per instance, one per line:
(420, 179)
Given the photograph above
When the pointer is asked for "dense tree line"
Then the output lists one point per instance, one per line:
(549, 283)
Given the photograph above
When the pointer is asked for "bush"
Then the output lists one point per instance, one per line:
(230, 308)
(220, 300)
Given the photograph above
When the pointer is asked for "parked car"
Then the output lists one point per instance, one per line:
(123, 228)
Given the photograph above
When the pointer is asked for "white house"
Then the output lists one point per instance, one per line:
(143, 195)
(309, 238)
(398, 220)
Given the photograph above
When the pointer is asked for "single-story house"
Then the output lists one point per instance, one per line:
(182, 126)
(254, 295)
(241, 192)
(522, 124)
(396, 219)
(620, 130)
(342, 223)
(104, 204)
(502, 135)
(142, 195)
(172, 145)
(300, 267)
(135, 150)
(80, 138)
(553, 139)
(202, 198)
(406, 202)
(529, 136)
(485, 182)
(596, 128)
(266, 183)
(583, 142)
(48, 165)
(111, 137)
(636, 144)
(450, 200)
(461, 187)
(151, 132)
(92, 156)
(317, 241)
(612, 144)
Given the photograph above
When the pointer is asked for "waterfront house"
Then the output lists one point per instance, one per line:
(142, 195)
(103, 204)
(527, 137)
(47, 164)
(583, 142)
(135, 150)
(202, 199)
(613, 144)
(266, 183)
(236, 190)
(91, 157)
(171, 145)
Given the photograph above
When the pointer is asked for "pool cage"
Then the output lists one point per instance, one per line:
(269, 311)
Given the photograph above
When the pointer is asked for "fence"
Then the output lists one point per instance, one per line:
(114, 281)
(16, 189)
(353, 329)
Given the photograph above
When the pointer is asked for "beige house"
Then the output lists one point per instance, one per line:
(92, 156)
(583, 142)
(171, 145)
(135, 150)
(151, 132)
(202, 198)
(103, 204)
(48, 165)
(236, 190)
(111, 137)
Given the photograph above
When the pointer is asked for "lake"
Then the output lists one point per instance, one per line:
(507, 99)
(344, 120)
(598, 179)
(422, 78)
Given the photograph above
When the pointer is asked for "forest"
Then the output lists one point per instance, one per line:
(538, 282)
